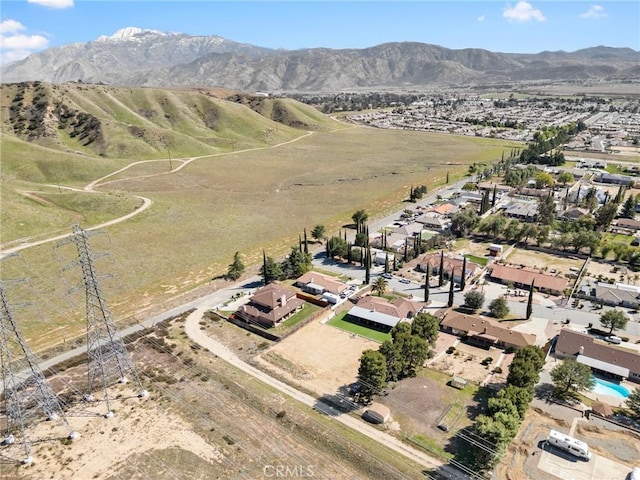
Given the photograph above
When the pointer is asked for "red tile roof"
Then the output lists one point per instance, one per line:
(525, 276)
(487, 328)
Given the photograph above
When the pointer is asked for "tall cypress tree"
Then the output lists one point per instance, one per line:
(493, 199)
(441, 270)
(264, 267)
(349, 253)
(530, 301)
(306, 244)
(406, 251)
(447, 179)
(463, 276)
(426, 285)
(451, 284)
(386, 263)
(367, 267)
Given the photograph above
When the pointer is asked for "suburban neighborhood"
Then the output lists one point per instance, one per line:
(486, 295)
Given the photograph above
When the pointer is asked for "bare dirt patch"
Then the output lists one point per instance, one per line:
(319, 357)
(541, 260)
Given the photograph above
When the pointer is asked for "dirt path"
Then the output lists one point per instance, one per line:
(147, 202)
(194, 332)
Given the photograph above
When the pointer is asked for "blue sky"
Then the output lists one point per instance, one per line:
(531, 26)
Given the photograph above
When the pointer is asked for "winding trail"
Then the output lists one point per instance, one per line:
(146, 202)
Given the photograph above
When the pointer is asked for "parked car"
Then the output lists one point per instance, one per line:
(388, 276)
(613, 339)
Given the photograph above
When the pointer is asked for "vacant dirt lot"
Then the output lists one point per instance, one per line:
(319, 357)
(535, 259)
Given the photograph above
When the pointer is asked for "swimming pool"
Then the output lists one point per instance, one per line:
(603, 387)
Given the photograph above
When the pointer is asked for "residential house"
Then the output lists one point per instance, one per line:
(484, 332)
(574, 213)
(618, 294)
(270, 305)
(381, 314)
(446, 209)
(613, 178)
(522, 278)
(605, 359)
(434, 222)
(412, 229)
(627, 224)
(490, 186)
(449, 263)
(525, 212)
(317, 283)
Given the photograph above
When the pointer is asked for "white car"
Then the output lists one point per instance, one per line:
(404, 280)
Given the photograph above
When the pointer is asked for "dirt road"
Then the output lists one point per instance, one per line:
(194, 332)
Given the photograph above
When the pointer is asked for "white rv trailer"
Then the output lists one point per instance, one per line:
(569, 444)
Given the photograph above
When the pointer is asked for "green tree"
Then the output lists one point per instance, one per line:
(629, 207)
(546, 210)
(372, 374)
(337, 247)
(296, 264)
(544, 179)
(360, 217)
(426, 326)
(614, 320)
(426, 284)
(319, 233)
(413, 351)
(499, 308)
(393, 359)
(451, 286)
(379, 286)
(236, 269)
(271, 270)
(525, 367)
(520, 397)
(570, 377)
(530, 301)
(606, 214)
(474, 300)
(565, 177)
(633, 402)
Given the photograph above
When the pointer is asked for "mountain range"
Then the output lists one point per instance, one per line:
(138, 57)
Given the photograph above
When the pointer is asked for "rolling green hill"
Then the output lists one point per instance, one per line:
(71, 134)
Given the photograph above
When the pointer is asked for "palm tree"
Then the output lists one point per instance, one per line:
(380, 286)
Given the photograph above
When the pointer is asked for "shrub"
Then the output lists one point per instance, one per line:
(624, 339)
(497, 370)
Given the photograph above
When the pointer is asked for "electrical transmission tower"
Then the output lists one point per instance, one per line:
(27, 395)
(108, 361)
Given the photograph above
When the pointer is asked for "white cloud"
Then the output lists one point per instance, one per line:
(481, 18)
(16, 46)
(23, 42)
(53, 3)
(595, 11)
(522, 12)
(13, 55)
(11, 26)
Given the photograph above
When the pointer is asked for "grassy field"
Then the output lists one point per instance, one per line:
(223, 202)
(339, 322)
